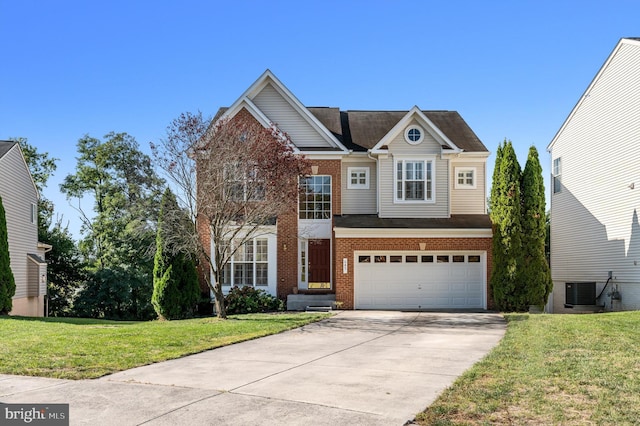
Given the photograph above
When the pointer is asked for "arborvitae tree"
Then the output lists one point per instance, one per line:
(508, 291)
(494, 187)
(7, 282)
(175, 282)
(535, 270)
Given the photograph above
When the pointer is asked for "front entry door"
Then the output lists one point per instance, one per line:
(319, 264)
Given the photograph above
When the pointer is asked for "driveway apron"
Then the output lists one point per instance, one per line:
(356, 368)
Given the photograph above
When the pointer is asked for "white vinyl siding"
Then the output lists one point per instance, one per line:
(594, 219)
(464, 200)
(18, 195)
(400, 149)
(359, 201)
(280, 112)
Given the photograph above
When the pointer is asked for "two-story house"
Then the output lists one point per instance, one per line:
(595, 191)
(393, 215)
(20, 201)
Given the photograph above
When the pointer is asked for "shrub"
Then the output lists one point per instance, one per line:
(244, 300)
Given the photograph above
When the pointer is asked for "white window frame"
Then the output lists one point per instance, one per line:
(303, 263)
(465, 170)
(357, 171)
(245, 178)
(556, 176)
(427, 179)
(228, 277)
(34, 213)
(409, 129)
(314, 202)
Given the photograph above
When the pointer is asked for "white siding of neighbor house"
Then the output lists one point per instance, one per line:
(18, 194)
(468, 201)
(359, 201)
(281, 113)
(594, 219)
(399, 147)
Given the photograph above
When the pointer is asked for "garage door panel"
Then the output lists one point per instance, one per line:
(430, 283)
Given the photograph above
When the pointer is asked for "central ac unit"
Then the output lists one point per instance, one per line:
(580, 293)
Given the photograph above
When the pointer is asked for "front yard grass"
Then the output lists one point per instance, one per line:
(548, 370)
(75, 348)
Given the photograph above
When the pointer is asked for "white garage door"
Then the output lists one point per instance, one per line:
(423, 280)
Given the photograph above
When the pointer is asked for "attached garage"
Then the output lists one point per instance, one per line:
(420, 280)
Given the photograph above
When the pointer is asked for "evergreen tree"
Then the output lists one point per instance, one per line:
(495, 187)
(508, 291)
(535, 270)
(175, 281)
(7, 282)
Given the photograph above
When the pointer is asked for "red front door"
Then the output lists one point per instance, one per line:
(319, 263)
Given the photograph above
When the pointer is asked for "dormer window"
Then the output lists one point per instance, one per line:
(414, 135)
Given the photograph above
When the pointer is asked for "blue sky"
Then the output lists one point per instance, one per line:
(513, 69)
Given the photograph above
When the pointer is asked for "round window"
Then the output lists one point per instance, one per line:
(413, 135)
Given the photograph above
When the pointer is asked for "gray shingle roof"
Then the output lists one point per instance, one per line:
(5, 146)
(362, 130)
(459, 221)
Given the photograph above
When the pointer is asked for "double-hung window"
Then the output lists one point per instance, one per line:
(243, 182)
(414, 180)
(249, 265)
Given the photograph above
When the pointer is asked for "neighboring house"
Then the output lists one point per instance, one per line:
(20, 201)
(395, 211)
(595, 191)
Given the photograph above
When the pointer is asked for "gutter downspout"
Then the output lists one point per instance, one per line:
(377, 181)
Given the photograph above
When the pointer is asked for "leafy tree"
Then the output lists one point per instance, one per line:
(65, 270)
(535, 269)
(247, 176)
(119, 233)
(7, 282)
(175, 281)
(509, 293)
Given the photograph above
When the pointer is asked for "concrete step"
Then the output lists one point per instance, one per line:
(300, 302)
(318, 309)
(586, 309)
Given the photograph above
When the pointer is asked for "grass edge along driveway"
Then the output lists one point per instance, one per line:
(78, 348)
(550, 369)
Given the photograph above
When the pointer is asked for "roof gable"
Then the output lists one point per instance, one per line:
(635, 42)
(5, 148)
(266, 91)
(415, 114)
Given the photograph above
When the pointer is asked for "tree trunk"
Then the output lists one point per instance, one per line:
(221, 309)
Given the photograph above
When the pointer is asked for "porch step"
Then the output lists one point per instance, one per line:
(586, 309)
(301, 302)
(318, 309)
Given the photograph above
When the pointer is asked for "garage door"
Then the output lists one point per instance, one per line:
(422, 280)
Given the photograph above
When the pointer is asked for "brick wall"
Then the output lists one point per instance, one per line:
(288, 230)
(344, 248)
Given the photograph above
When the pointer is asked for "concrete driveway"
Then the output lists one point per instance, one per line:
(356, 368)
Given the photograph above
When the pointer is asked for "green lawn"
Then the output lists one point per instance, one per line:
(551, 369)
(74, 348)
